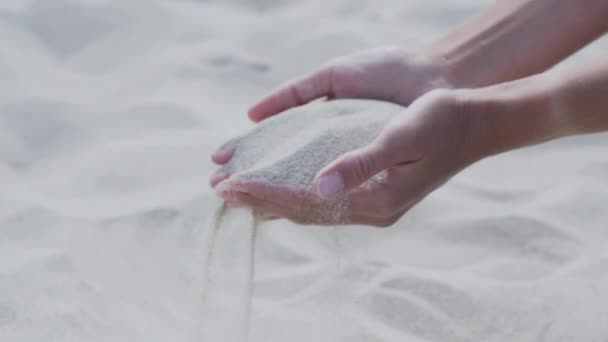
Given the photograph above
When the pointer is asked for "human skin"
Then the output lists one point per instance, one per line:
(501, 44)
(443, 131)
(472, 123)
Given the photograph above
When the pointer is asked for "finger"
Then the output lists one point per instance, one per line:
(270, 217)
(267, 209)
(295, 93)
(301, 206)
(217, 178)
(351, 170)
(313, 215)
(285, 195)
(365, 220)
(222, 156)
(295, 204)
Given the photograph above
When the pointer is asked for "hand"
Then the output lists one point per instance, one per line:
(415, 153)
(389, 74)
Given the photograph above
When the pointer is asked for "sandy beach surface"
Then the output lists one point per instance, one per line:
(109, 111)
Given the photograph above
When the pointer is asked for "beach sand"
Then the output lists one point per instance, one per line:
(291, 148)
(109, 111)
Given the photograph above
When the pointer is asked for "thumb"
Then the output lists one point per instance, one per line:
(351, 170)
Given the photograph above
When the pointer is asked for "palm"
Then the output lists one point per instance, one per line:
(388, 74)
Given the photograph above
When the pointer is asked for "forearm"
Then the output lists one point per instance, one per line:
(538, 108)
(518, 38)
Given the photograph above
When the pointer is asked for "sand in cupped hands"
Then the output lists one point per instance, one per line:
(288, 149)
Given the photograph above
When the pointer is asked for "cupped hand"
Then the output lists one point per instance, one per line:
(416, 152)
(389, 74)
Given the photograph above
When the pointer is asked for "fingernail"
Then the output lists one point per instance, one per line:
(222, 156)
(330, 185)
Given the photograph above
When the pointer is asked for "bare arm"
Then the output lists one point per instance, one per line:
(518, 38)
(540, 108)
(500, 53)
(510, 40)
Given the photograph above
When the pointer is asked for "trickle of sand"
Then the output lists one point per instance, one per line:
(229, 271)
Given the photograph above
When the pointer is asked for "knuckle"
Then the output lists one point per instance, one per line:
(296, 94)
(325, 72)
(386, 143)
(363, 167)
(304, 90)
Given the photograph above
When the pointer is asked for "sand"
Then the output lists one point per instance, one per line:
(291, 148)
(108, 113)
(228, 286)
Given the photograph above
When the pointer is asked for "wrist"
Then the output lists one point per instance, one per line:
(499, 45)
(465, 63)
(452, 68)
(511, 115)
(432, 73)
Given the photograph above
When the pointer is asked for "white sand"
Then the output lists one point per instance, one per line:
(109, 110)
(291, 148)
(229, 273)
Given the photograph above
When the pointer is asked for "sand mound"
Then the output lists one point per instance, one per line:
(289, 149)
